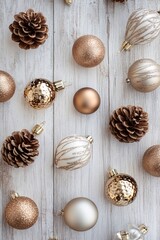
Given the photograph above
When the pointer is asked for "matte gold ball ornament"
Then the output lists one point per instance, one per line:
(121, 189)
(88, 51)
(7, 86)
(144, 75)
(80, 214)
(73, 152)
(86, 100)
(143, 26)
(41, 93)
(21, 212)
(151, 161)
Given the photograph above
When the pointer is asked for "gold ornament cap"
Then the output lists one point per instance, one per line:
(90, 139)
(68, 2)
(38, 128)
(112, 173)
(143, 229)
(59, 85)
(123, 235)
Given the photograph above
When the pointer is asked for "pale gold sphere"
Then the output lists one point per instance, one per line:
(80, 214)
(88, 51)
(21, 213)
(40, 93)
(151, 160)
(86, 100)
(144, 75)
(7, 86)
(121, 189)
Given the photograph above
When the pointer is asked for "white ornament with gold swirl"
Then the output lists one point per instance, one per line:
(142, 27)
(144, 75)
(73, 152)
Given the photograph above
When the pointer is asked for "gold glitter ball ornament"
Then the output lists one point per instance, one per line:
(121, 189)
(40, 93)
(21, 212)
(80, 214)
(7, 86)
(151, 160)
(88, 51)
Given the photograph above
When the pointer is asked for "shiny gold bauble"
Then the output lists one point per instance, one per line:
(40, 93)
(7, 86)
(144, 75)
(151, 160)
(88, 51)
(86, 100)
(80, 214)
(21, 213)
(120, 189)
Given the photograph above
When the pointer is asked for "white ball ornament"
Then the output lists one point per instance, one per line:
(144, 75)
(73, 152)
(142, 27)
(80, 214)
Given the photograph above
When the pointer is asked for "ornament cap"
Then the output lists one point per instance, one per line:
(128, 80)
(112, 173)
(59, 85)
(14, 195)
(68, 2)
(38, 128)
(125, 46)
(90, 139)
(123, 235)
(143, 229)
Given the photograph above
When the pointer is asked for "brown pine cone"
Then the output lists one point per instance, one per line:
(129, 124)
(19, 149)
(29, 29)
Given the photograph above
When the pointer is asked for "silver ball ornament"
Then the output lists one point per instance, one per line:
(73, 152)
(80, 214)
(144, 75)
(142, 27)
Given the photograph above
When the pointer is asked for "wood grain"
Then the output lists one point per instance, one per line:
(52, 190)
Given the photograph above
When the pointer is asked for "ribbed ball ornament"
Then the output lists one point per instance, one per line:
(142, 27)
(144, 75)
(121, 189)
(73, 152)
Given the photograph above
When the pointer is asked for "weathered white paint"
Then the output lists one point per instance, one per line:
(106, 20)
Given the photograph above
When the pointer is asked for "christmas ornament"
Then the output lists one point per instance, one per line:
(86, 100)
(21, 212)
(21, 147)
(69, 2)
(80, 214)
(129, 124)
(29, 29)
(151, 160)
(144, 75)
(40, 93)
(133, 233)
(73, 152)
(88, 51)
(121, 189)
(142, 27)
(7, 86)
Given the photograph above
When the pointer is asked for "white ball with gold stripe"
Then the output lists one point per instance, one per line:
(73, 152)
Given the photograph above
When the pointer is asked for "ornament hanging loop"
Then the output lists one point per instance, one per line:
(38, 128)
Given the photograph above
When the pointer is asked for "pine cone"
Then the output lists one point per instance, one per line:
(19, 149)
(29, 29)
(129, 124)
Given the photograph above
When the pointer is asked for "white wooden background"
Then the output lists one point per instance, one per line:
(52, 188)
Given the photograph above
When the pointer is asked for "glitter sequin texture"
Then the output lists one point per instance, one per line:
(21, 213)
(121, 189)
(40, 93)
